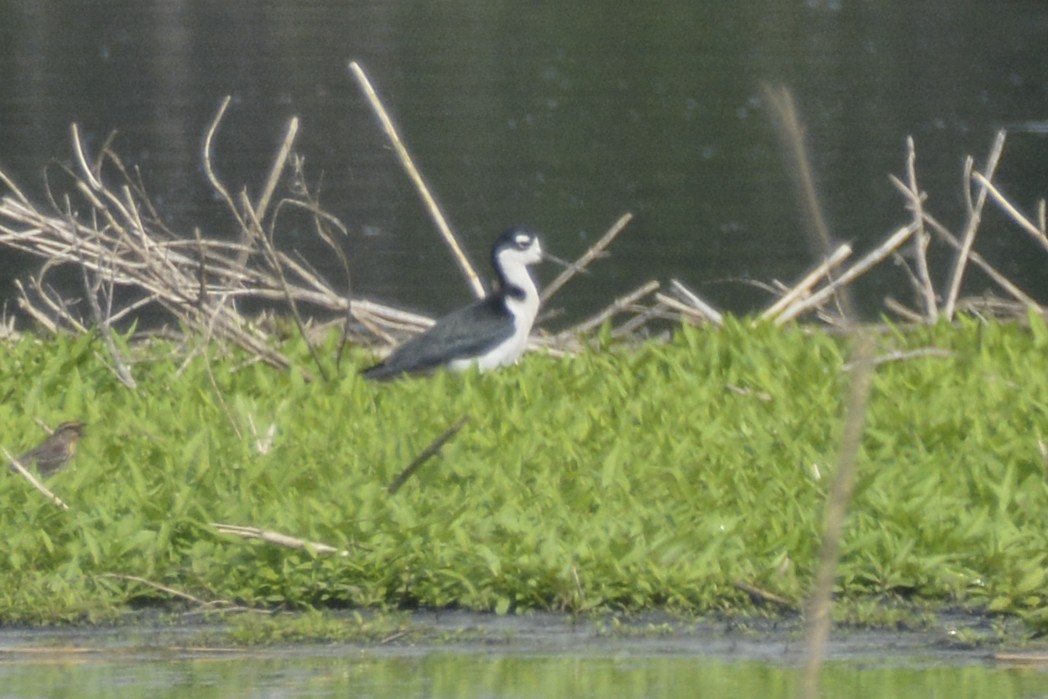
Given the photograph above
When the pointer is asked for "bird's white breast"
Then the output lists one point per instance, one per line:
(524, 310)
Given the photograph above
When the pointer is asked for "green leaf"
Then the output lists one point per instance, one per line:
(1038, 327)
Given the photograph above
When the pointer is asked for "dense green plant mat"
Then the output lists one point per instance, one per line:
(657, 477)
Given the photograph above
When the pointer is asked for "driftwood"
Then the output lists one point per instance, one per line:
(416, 177)
(33, 481)
(120, 242)
(277, 538)
(106, 225)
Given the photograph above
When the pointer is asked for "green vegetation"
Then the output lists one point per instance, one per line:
(652, 478)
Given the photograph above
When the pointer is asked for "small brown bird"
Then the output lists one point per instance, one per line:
(56, 450)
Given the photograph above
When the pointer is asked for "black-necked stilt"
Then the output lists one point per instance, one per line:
(489, 333)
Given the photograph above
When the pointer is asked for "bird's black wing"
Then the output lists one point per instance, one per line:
(464, 333)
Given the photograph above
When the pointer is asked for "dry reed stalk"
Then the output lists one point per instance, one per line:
(556, 346)
(764, 595)
(614, 307)
(921, 238)
(416, 178)
(804, 286)
(894, 241)
(277, 538)
(53, 650)
(685, 311)
(990, 271)
(263, 443)
(17, 466)
(1037, 233)
(209, 170)
(10, 184)
(160, 588)
(1022, 659)
(184, 277)
(900, 355)
(641, 320)
(791, 130)
(591, 254)
(842, 487)
(322, 223)
(121, 368)
(692, 299)
(213, 382)
(277, 169)
(974, 217)
(278, 265)
(906, 313)
(31, 309)
(78, 150)
(255, 214)
(817, 631)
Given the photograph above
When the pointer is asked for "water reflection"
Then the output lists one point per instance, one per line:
(327, 671)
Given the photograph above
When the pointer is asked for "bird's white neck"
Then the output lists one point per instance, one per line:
(521, 297)
(520, 293)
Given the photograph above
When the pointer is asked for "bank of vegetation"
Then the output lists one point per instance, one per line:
(687, 475)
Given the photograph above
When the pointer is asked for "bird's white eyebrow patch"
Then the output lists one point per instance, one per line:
(523, 240)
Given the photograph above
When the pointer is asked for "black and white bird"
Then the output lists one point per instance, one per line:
(489, 333)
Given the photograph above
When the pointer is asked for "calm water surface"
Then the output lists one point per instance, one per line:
(344, 672)
(510, 657)
(330, 673)
(562, 116)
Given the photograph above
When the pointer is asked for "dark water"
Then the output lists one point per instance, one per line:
(559, 115)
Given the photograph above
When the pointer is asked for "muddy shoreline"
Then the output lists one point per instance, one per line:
(955, 639)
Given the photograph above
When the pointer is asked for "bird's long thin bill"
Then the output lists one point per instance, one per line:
(564, 263)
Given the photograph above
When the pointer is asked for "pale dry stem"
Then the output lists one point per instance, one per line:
(615, 307)
(33, 481)
(974, 217)
(279, 539)
(594, 251)
(921, 239)
(894, 241)
(416, 178)
(803, 288)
